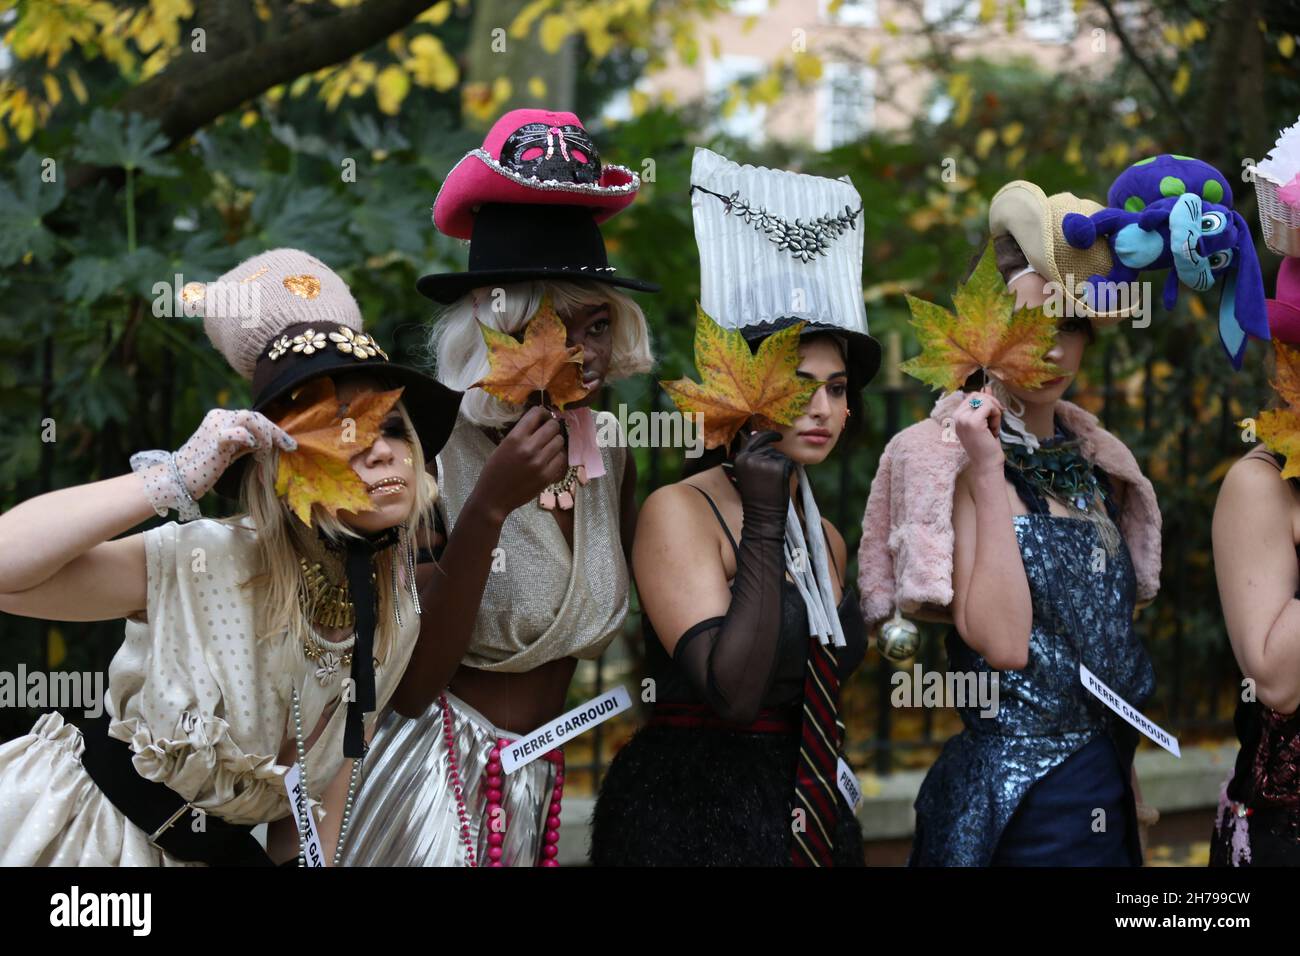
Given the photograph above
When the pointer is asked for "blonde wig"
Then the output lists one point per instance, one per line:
(460, 356)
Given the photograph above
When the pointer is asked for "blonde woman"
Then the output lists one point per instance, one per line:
(253, 645)
(532, 574)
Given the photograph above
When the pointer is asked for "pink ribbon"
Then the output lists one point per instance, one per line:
(583, 448)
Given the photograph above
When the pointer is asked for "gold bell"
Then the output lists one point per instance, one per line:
(898, 638)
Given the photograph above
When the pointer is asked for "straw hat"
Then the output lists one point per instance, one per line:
(1023, 211)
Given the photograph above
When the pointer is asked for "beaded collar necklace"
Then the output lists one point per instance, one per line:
(1056, 469)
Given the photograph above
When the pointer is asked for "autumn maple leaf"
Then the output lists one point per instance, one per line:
(540, 363)
(739, 384)
(987, 332)
(1279, 428)
(329, 434)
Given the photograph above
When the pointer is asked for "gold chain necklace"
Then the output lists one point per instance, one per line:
(328, 605)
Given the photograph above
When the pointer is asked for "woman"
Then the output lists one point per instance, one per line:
(1046, 539)
(1256, 546)
(521, 592)
(238, 631)
(739, 761)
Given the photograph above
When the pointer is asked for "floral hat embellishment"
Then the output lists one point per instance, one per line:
(359, 345)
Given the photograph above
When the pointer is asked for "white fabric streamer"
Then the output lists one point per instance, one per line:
(809, 559)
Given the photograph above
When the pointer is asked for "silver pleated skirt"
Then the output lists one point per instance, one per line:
(405, 810)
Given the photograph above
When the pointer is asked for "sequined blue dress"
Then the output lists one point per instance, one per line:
(1046, 780)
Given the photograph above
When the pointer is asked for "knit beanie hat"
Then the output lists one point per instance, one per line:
(253, 302)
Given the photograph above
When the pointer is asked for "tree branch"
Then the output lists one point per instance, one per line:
(1147, 71)
(194, 90)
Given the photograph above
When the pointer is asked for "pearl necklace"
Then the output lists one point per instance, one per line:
(306, 794)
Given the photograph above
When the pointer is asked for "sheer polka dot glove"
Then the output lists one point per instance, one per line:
(177, 479)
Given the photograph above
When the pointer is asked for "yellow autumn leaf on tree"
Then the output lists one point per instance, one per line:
(986, 332)
(1182, 79)
(524, 19)
(436, 14)
(329, 434)
(737, 384)
(1279, 429)
(391, 88)
(542, 362)
(807, 67)
(431, 65)
(554, 30)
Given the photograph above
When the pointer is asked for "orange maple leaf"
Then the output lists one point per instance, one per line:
(1279, 429)
(739, 384)
(540, 363)
(329, 434)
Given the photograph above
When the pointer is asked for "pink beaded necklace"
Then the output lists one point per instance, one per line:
(494, 782)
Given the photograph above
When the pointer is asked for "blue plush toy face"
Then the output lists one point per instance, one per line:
(1201, 239)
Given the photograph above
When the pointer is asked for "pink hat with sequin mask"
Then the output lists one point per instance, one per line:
(530, 200)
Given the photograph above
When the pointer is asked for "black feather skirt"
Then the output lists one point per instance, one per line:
(698, 796)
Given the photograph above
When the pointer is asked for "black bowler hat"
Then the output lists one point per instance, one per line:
(530, 200)
(517, 243)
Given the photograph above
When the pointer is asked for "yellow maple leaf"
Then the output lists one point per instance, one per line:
(738, 384)
(986, 332)
(329, 434)
(542, 362)
(1279, 429)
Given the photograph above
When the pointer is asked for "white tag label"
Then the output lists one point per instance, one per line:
(557, 732)
(1134, 717)
(848, 782)
(298, 800)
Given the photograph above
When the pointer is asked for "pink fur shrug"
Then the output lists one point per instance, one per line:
(905, 558)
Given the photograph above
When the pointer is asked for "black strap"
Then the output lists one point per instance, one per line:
(359, 563)
(149, 805)
(718, 514)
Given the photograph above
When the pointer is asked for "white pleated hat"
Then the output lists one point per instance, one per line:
(778, 247)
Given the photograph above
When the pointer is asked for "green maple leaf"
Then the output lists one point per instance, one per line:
(132, 142)
(986, 332)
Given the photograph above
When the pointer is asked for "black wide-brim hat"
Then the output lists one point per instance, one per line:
(305, 351)
(524, 242)
(862, 360)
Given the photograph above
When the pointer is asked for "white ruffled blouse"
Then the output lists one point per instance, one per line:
(202, 701)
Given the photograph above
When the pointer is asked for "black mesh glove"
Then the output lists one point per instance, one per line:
(730, 661)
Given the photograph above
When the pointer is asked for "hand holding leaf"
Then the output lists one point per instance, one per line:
(739, 384)
(329, 435)
(988, 332)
